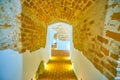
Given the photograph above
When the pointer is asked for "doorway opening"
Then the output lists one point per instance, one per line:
(59, 38)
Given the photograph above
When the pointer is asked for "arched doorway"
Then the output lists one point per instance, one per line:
(59, 41)
(59, 36)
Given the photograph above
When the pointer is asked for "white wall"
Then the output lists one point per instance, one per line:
(10, 65)
(31, 62)
(63, 45)
(83, 68)
(15, 66)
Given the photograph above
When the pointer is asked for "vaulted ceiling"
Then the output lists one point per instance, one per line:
(50, 11)
(38, 14)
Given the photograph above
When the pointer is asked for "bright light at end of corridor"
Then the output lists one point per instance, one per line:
(45, 65)
(56, 58)
(53, 58)
(69, 67)
(67, 58)
(49, 67)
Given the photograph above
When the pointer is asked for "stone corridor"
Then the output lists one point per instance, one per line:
(25, 41)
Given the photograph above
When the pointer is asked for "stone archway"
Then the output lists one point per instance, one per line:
(59, 28)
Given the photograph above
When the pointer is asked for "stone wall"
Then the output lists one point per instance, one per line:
(10, 23)
(36, 15)
(33, 30)
(111, 34)
(20, 28)
(23, 23)
(97, 36)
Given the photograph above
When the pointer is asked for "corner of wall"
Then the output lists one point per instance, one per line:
(31, 61)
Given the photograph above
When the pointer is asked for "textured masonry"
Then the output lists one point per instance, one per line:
(10, 23)
(98, 37)
(96, 28)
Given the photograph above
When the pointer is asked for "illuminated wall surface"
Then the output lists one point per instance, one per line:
(95, 28)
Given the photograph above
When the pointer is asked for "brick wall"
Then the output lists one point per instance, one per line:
(38, 14)
(20, 27)
(30, 22)
(112, 34)
(98, 37)
(89, 29)
(20, 32)
(33, 30)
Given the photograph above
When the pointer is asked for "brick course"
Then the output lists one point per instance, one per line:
(101, 39)
(113, 35)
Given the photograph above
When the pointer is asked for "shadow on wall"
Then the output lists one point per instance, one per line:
(40, 70)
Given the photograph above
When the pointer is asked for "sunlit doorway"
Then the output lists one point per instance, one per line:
(59, 41)
(59, 37)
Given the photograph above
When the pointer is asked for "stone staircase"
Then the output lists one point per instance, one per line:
(59, 67)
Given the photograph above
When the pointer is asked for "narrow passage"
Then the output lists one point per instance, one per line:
(59, 67)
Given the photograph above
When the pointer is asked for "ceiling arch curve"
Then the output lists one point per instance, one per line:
(38, 14)
(50, 11)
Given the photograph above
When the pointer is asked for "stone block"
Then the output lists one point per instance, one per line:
(105, 51)
(102, 39)
(116, 16)
(113, 35)
(114, 56)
